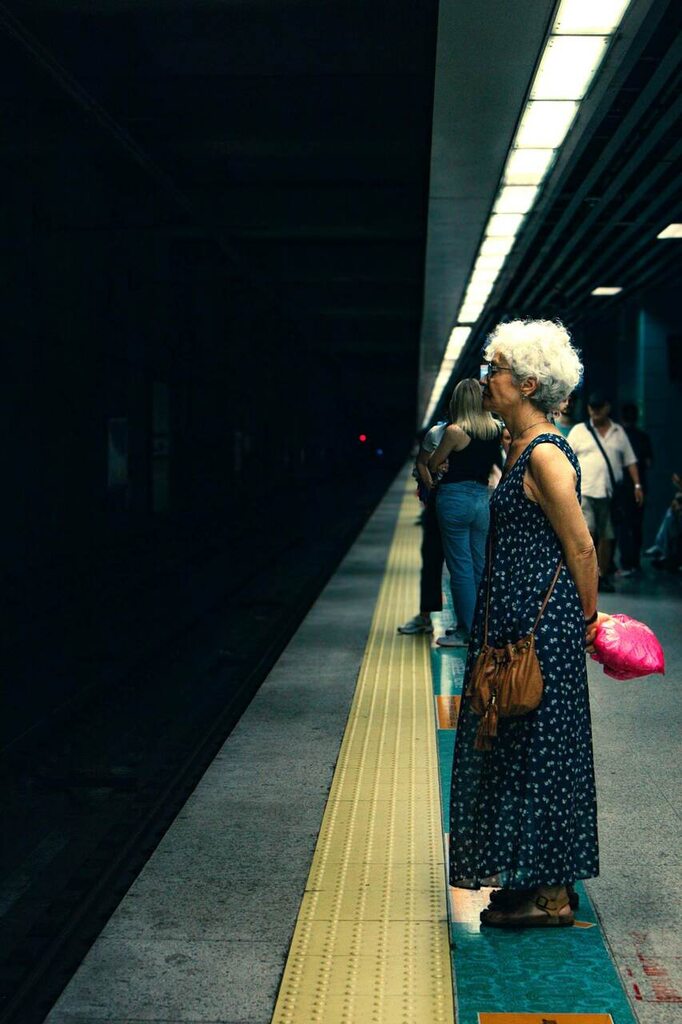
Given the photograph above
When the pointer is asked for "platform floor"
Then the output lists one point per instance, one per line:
(204, 932)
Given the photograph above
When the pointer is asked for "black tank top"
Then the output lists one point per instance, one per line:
(473, 462)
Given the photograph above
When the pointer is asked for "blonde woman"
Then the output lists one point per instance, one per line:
(471, 445)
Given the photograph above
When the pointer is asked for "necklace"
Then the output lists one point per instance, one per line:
(534, 424)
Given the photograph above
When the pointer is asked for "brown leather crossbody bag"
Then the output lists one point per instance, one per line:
(505, 681)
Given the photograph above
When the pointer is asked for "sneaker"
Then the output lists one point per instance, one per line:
(458, 638)
(653, 552)
(416, 625)
(624, 573)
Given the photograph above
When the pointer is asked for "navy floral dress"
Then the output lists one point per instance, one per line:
(525, 813)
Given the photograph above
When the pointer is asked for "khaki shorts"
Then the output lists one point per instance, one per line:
(597, 512)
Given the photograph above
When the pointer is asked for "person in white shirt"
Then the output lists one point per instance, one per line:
(597, 485)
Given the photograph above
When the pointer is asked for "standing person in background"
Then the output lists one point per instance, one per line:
(496, 471)
(666, 552)
(604, 452)
(430, 589)
(630, 529)
(471, 445)
(564, 421)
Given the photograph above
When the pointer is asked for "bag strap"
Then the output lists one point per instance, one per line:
(601, 449)
(548, 595)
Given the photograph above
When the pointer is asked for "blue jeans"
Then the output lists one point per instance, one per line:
(464, 516)
(668, 536)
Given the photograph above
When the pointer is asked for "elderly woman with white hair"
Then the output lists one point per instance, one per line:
(523, 811)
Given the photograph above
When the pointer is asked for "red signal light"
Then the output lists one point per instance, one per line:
(362, 437)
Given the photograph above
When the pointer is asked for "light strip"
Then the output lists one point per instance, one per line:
(480, 286)
(579, 39)
(515, 198)
(469, 314)
(504, 225)
(458, 339)
(672, 231)
(545, 123)
(528, 166)
(484, 275)
(567, 67)
(496, 246)
(589, 17)
(493, 262)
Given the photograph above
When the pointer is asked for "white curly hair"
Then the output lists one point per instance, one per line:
(540, 349)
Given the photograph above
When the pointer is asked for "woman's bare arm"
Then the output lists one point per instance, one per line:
(453, 440)
(423, 468)
(550, 481)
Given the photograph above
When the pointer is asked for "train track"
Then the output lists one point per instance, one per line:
(146, 747)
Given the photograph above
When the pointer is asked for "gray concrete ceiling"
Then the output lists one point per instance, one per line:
(298, 136)
(485, 60)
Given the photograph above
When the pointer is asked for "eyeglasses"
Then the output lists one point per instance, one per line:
(490, 369)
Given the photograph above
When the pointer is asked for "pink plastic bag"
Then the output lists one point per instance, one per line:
(627, 648)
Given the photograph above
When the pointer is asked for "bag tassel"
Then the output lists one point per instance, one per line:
(487, 730)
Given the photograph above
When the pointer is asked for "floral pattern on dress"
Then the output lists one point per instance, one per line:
(525, 813)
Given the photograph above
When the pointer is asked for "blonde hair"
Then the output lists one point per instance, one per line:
(540, 349)
(466, 410)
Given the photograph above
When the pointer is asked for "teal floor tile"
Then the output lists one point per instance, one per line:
(564, 971)
(447, 663)
(446, 749)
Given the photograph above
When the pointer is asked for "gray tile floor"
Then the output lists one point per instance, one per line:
(203, 933)
(637, 731)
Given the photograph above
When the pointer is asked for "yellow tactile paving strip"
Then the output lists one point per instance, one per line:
(371, 940)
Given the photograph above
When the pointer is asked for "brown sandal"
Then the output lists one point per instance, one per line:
(550, 918)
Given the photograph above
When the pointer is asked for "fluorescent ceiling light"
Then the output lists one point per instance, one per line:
(567, 67)
(477, 297)
(490, 262)
(480, 284)
(479, 288)
(460, 334)
(475, 300)
(672, 231)
(589, 17)
(515, 198)
(545, 123)
(453, 356)
(527, 166)
(469, 314)
(504, 225)
(458, 337)
(496, 246)
(605, 291)
(484, 275)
